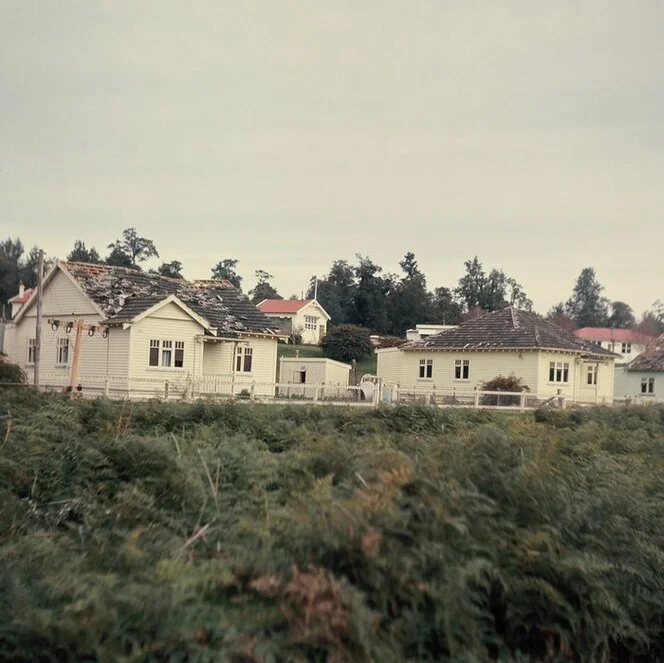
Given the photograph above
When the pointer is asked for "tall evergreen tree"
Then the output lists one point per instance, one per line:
(227, 269)
(80, 253)
(409, 301)
(587, 306)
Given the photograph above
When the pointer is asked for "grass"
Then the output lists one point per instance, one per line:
(367, 365)
(153, 532)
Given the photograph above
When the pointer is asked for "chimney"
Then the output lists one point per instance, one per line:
(21, 289)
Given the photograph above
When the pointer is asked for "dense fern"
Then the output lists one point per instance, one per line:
(153, 532)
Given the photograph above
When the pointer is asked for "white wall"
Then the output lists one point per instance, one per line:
(310, 336)
(628, 385)
(625, 357)
(395, 365)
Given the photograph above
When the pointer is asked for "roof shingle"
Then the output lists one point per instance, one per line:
(508, 329)
(122, 294)
(652, 360)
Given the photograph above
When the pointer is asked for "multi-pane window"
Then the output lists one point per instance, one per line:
(558, 371)
(626, 348)
(32, 344)
(179, 354)
(243, 359)
(62, 352)
(161, 354)
(647, 385)
(426, 368)
(310, 322)
(591, 376)
(461, 369)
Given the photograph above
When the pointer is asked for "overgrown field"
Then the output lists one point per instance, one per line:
(252, 533)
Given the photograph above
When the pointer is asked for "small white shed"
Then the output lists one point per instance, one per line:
(305, 371)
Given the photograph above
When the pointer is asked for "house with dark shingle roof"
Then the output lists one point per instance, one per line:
(548, 360)
(303, 317)
(142, 329)
(643, 378)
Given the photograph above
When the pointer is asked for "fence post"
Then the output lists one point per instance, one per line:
(315, 394)
(477, 398)
(165, 390)
(106, 387)
(522, 401)
(252, 391)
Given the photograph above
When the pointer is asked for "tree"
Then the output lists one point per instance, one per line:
(558, 316)
(336, 292)
(587, 305)
(263, 288)
(80, 253)
(472, 284)
(172, 270)
(347, 343)
(652, 320)
(409, 301)
(18, 267)
(516, 295)
(370, 295)
(445, 310)
(132, 247)
(622, 316)
(119, 258)
(226, 269)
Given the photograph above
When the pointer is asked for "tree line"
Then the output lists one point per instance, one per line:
(361, 292)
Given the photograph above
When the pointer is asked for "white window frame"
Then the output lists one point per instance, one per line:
(462, 369)
(626, 348)
(166, 351)
(62, 351)
(558, 372)
(426, 369)
(311, 322)
(591, 375)
(244, 359)
(31, 352)
(647, 385)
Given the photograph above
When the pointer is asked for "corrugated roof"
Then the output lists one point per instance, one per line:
(610, 334)
(283, 305)
(508, 329)
(652, 360)
(122, 294)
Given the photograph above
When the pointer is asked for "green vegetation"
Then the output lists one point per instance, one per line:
(347, 343)
(254, 533)
(366, 365)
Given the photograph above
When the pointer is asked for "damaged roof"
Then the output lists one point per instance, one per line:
(507, 329)
(122, 294)
(652, 359)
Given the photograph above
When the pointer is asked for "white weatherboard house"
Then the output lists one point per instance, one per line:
(626, 343)
(548, 359)
(305, 317)
(643, 378)
(140, 330)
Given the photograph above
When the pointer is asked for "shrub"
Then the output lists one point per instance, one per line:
(508, 383)
(347, 342)
(11, 373)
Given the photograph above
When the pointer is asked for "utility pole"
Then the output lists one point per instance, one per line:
(40, 301)
(77, 354)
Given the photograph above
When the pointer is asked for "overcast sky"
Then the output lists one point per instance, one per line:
(289, 134)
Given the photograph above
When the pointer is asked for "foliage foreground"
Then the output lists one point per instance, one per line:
(252, 533)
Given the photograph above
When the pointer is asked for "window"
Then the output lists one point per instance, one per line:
(626, 348)
(166, 353)
(558, 371)
(310, 322)
(179, 354)
(32, 344)
(62, 352)
(647, 385)
(161, 354)
(243, 359)
(461, 369)
(591, 378)
(426, 368)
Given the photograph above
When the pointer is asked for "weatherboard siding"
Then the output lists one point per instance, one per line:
(394, 365)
